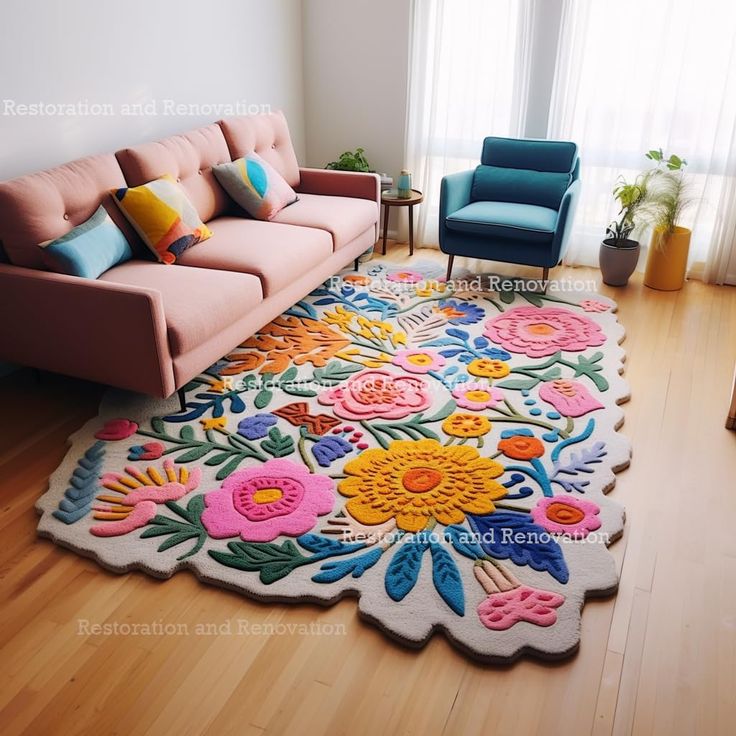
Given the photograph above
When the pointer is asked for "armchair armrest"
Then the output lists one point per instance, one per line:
(97, 330)
(565, 218)
(454, 195)
(340, 184)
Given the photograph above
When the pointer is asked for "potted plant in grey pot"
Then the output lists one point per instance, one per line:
(619, 253)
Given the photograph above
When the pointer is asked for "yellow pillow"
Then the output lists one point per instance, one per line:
(163, 216)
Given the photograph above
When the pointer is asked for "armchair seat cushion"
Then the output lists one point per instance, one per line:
(524, 222)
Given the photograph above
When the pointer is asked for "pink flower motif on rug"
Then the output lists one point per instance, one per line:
(117, 429)
(572, 517)
(539, 332)
(262, 503)
(373, 394)
(592, 305)
(476, 396)
(510, 602)
(569, 397)
(500, 611)
(418, 361)
(405, 277)
(137, 496)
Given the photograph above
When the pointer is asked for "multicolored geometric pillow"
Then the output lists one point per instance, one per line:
(163, 216)
(256, 186)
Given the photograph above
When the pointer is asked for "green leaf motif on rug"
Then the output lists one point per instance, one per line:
(275, 561)
(187, 527)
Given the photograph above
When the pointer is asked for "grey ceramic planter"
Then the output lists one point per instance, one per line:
(617, 264)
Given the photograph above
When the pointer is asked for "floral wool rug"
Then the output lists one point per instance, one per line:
(441, 452)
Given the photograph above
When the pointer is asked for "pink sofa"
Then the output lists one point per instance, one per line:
(148, 327)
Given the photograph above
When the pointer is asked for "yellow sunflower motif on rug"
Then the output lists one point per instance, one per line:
(414, 482)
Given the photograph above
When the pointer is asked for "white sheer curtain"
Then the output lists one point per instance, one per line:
(635, 75)
(468, 79)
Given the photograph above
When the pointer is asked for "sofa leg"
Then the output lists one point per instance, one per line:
(450, 261)
(545, 273)
(357, 264)
(182, 400)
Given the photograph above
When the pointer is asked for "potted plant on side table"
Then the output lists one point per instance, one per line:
(619, 253)
(351, 161)
(667, 199)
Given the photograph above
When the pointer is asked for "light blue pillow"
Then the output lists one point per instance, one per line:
(89, 249)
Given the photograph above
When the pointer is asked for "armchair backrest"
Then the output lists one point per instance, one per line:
(525, 171)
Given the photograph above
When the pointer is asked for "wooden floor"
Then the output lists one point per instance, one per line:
(658, 658)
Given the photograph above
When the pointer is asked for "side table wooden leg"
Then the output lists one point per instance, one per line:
(385, 226)
(411, 229)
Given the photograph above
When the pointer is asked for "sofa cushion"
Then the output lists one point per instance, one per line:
(498, 184)
(268, 136)
(48, 204)
(198, 302)
(256, 186)
(189, 158)
(89, 249)
(505, 220)
(277, 254)
(163, 216)
(345, 218)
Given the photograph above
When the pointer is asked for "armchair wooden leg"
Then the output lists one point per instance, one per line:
(450, 261)
(545, 273)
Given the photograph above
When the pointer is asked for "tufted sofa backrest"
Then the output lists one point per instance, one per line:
(267, 135)
(48, 204)
(189, 158)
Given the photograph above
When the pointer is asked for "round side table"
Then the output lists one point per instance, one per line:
(390, 199)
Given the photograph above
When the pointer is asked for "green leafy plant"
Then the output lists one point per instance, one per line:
(351, 161)
(673, 162)
(668, 194)
(630, 197)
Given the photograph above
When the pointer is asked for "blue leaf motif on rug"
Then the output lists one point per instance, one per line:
(403, 570)
(507, 535)
(80, 495)
(447, 580)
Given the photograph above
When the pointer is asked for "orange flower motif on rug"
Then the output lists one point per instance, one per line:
(466, 425)
(415, 482)
(285, 340)
(521, 447)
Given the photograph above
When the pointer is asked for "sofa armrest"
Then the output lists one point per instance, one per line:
(340, 184)
(101, 331)
(565, 219)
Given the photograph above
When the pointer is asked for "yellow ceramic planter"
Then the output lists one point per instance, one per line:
(667, 260)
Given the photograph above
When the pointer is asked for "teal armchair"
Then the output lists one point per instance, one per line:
(517, 206)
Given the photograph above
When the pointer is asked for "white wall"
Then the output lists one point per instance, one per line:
(355, 79)
(140, 51)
